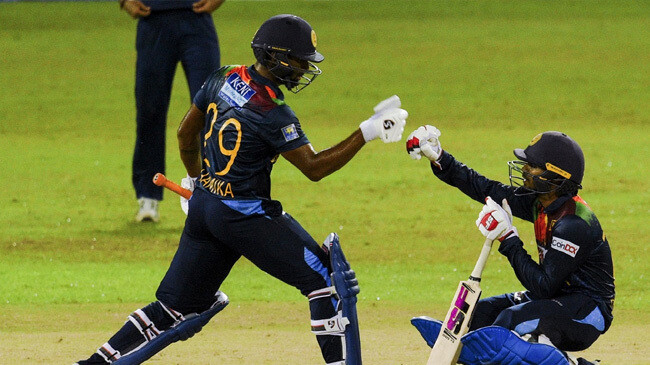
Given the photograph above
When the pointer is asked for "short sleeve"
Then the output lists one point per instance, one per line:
(283, 132)
(200, 99)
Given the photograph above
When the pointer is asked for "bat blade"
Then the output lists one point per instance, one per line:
(447, 348)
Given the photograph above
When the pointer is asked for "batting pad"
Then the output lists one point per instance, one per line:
(192, 324)
(493, 345)
(498, 345)
(429, 329)
(347, 288)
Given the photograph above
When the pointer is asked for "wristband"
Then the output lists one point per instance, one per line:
(369, 130)
(513, 232)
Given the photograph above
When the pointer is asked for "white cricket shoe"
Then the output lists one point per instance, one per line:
(148, 210)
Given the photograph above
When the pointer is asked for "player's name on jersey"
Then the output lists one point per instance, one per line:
(216, 186)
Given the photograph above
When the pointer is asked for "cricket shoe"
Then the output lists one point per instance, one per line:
(95, 359)
(582, 361)
(148, 210)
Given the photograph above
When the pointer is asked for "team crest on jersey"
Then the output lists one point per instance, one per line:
(235, 91)
(290, 132)
(565, 246)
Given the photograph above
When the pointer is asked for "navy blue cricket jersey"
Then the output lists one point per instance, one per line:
(247, 125)
(574, 254)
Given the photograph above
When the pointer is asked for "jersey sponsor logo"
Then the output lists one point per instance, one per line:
(565, 246)
(236, 91)
(290, 132)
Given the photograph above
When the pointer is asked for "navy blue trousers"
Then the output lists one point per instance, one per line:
(164, 39)
(572, 322)
(216, 236)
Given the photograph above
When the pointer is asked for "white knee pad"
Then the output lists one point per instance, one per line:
(334, 326)
(330, 326)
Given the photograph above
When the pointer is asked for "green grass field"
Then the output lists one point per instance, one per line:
(489, 74)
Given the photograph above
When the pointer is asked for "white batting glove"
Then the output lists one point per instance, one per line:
(387, 123)
(495, 221)
(188, 183)
(424, 141)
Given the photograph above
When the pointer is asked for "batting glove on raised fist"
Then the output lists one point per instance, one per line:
(495, 221)
(424, 141)
(387, 123)
(188, 183)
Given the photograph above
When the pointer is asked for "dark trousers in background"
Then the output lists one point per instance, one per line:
(163, 39)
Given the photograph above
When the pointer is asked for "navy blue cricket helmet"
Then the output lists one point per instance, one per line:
(284, 37)
(559, 155)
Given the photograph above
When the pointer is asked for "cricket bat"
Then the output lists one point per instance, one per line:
(447, 348)
(160, 180)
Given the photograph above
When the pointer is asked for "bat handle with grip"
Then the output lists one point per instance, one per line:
(482, 259)
(160, 180)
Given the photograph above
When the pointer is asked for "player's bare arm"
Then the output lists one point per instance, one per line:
(387, 123)
(317, 165)
(189, 144)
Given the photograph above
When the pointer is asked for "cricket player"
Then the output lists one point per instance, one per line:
(168, 32)
(236, 129)
(569, 296)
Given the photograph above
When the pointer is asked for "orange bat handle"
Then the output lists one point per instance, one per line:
(160, 180)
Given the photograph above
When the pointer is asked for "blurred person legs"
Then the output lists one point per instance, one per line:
(163, 39)
(148, 211)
